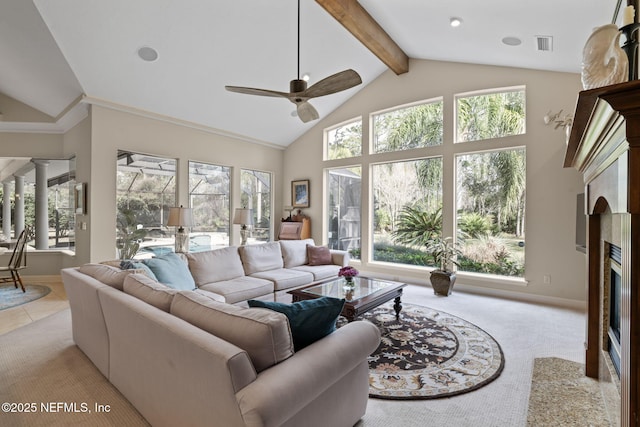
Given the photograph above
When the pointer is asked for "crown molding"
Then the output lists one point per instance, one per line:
(75, 112)
(167, 119)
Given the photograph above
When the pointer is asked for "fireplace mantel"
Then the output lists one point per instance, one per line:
(604, 146)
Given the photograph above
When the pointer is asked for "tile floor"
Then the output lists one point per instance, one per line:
(14, 317)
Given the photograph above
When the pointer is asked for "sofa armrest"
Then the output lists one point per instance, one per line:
(340, 257)
(87, 321)
(284, 389)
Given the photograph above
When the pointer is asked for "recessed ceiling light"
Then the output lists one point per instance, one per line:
(147, 53)
(455, 22)
(306, 77)
(512, 41)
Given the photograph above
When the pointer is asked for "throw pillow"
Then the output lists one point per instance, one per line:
(319, 255)
(309, 320)
(171, 270)
(130, 264)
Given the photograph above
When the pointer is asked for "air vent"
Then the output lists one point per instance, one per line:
(544, 43)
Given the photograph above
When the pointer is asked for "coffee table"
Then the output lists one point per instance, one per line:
(367, 294)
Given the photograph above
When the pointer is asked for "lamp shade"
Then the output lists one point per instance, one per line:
(243, 216)
(180, 217)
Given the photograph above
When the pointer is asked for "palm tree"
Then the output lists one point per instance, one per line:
(412, 127)
(490, 116)
(417, 227)
(510, 167)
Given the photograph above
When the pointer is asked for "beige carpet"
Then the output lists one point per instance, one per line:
(562, 396)
(39, 363)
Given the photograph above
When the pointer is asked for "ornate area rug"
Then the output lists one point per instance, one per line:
(429, 354)
(10, 296)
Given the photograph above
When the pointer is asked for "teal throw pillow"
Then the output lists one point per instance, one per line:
(130, 264)
(309, 320)
(172, 271)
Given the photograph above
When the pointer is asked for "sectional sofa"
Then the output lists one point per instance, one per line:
(257, 271)
(190, 358)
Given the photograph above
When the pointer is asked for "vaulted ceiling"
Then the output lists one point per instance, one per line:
(52, 52)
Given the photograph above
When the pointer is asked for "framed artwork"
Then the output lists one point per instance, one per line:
(300, 193)
(80, 198)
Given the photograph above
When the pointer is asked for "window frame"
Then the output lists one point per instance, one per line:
(482, 92)
(373, 114)
(325, 137)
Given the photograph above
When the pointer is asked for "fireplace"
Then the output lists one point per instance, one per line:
(614, 262)
(604, 146)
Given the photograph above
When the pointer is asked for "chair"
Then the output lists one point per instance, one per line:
(17, 262)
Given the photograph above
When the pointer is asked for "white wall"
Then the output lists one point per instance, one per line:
(551, 190)
(77, 142)
(112, 130)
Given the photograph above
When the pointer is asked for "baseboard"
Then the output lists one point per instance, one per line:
(492, 292)
(42, 279)
(520, 296)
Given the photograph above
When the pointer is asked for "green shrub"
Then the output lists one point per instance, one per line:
(474, 225)
(401, 255)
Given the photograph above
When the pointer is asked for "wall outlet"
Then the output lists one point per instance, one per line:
(547, 279)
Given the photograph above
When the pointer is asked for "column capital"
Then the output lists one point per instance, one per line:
(41, 162)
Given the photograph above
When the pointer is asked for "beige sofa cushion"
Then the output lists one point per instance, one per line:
(215, 265)
(262, 257)
(284, 278)
(149, 291)
(240, 288)
(107, 274)
(263, 334)
(294, 252)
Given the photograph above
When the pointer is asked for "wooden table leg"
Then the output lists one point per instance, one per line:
(397, 307)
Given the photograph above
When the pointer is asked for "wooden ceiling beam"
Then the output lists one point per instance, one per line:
(357, 20)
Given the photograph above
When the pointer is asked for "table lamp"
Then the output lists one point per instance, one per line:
(244, 217)
(181, 217)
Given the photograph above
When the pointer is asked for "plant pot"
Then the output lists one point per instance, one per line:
(442, 282)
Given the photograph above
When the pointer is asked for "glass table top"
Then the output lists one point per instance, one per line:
(335, 288)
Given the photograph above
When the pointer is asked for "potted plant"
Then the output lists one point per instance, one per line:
(444, 252)
(129, 235)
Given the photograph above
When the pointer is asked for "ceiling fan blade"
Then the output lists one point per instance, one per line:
(254, 91)
(306, 112)
(335, 83)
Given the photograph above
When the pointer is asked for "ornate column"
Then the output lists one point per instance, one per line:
(19, 204)
(6, 209)
(42, 205)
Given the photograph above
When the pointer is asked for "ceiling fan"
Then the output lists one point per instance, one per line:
(299, 94)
